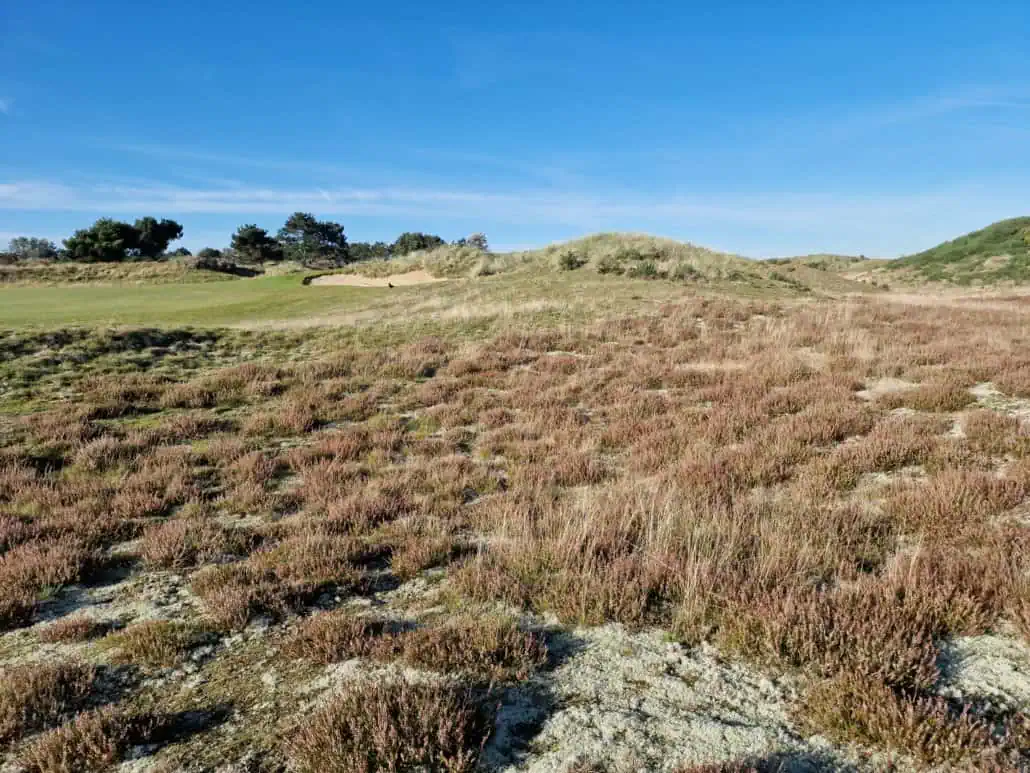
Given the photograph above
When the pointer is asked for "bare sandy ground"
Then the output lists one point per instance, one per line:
(397, 280)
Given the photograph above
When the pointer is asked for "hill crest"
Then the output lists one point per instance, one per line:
(997, 253)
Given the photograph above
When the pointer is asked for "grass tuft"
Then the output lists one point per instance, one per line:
(491, 647)
(391, 726)
(76, 628)
(154, 642)
(39, 695)
(851, 707)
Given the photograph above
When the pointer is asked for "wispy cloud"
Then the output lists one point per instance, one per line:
(529, 205)
(872, 224)
(6, 105)
(565, 171)
(226, 159)
(968, 100)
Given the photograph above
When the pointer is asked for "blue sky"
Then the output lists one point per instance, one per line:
(762, 128)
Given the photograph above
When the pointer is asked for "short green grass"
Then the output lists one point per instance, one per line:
(206, 304)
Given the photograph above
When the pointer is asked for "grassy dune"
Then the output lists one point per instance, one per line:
(999, 253)
(638, 256)
(133, 272)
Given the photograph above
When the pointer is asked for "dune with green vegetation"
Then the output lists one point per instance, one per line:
(628, 255)
(999, 253)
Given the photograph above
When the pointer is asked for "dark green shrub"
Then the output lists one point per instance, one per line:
(685, 272)
(645, 270)
(570, 260)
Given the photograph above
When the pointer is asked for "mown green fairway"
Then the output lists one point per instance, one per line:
(200, 304)
(269, 301)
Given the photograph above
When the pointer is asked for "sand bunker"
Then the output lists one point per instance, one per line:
(397, 280)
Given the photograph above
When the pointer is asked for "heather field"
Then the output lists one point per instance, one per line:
(513, 523)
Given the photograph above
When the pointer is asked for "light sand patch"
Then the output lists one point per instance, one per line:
(989, 396)
(707, 366)
(989, 668)
(813, 359)
(996, 262)
(636, 702)
(884, 386)
(419, 277)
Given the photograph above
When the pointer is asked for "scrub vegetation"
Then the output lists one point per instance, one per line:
(341, 547)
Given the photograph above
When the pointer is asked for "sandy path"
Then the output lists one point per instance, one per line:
(397, 280)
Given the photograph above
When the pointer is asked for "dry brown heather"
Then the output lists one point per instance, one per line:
(715, 469)
(489, 648)
(33, 697)
(74, 628)
(154, 642)
(391, 726)
(88, 744)
(96, 740)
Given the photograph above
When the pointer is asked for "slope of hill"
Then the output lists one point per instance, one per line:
(630, 255)
(825, 261)
(997, 253)
(144, 272)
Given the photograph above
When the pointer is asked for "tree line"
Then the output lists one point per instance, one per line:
(303, 238)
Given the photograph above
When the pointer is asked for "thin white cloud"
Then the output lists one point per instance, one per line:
(745, 222)
(6, 105)
(863, 119)
(226, 159)
(529, 205)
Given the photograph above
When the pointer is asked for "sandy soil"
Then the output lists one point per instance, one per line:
(397, 280)
(884, 386)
